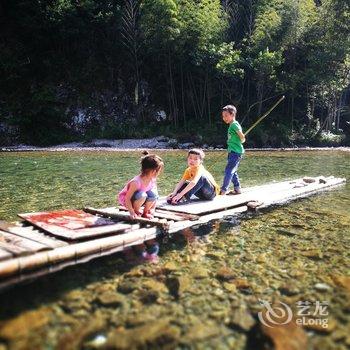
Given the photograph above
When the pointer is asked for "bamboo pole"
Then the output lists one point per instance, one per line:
(48, 269)
(73, 251)
(160, 213)
(264, 115)
(126, 217)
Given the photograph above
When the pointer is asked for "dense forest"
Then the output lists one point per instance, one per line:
(84, 69)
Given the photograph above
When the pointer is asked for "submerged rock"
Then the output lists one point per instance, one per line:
(97, 342)
(136, 272)
(199, 272)
(242, 318)
(230, 287)
(289, 290)
(76, 301)
(178, 285)
(140, 318)
(342, 281)
(241, 283)
(24, 324)
(322, 287)
(155, 286)
(170, 266)
(111, 299)
(149, 296)
(101, 288)
(288, 336)
(290, 233)
(127, 287)
(296, 273)
(315, 254)
(200, 331)
(82, 332)
(157, 334)
(261, 258)
(225, 274)
(216, 255)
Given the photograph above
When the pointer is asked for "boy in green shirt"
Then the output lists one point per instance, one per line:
(235, 140)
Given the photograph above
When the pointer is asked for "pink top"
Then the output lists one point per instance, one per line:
(140, 187)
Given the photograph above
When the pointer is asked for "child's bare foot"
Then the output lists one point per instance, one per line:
(147, 215)
(151, 258)
(222, 193)
(234, 192)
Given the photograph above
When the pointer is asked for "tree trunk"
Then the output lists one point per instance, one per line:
(208, 102)
(194, 98)
(260, 94)
(172, 91)
(183, 98)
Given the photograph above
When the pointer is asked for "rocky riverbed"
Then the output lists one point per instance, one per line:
(206, 291)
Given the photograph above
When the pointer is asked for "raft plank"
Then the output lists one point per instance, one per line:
(15, 250)
(200, 207)
(101, 230)
(181, 225)
(4, 255)
(126, 217)
(76, 250)
(53, 266)
(286, 189)
(177, 215)
(302, 192)
(30, 232)
(161, 214)
(73, 224)
(21, 245)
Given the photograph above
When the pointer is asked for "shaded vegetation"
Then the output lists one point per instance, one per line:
(73, 70)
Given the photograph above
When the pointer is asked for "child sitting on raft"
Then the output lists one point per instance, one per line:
(142, 189)
(196, 180)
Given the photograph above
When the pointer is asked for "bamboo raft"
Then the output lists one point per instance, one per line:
(46, 242)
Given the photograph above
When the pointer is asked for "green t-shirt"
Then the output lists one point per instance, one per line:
(234, 143)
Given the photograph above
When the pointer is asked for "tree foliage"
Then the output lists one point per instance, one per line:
(118, 62)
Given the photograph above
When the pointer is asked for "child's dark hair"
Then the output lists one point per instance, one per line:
(197, 152)
(230, 108)
(150, 162)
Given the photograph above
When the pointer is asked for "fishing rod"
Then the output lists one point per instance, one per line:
(264, 115)
(254, 104)
(257, 122)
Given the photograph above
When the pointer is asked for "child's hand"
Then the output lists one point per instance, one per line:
(175, 198)
(169, 198)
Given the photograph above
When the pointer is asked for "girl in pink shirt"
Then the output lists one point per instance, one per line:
(142, 189)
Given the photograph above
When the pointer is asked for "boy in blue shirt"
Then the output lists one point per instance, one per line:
(235, 140)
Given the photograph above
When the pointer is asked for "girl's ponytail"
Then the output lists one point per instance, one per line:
(150, 162)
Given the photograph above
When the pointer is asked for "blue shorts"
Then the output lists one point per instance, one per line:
(149, 196)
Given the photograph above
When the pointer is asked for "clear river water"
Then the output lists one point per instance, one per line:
(211, 282)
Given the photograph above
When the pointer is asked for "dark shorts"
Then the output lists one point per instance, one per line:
(149, 196)
(203, 189)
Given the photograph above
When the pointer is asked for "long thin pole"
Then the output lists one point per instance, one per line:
(264, 115)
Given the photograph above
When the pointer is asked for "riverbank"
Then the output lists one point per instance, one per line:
(159, 143)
